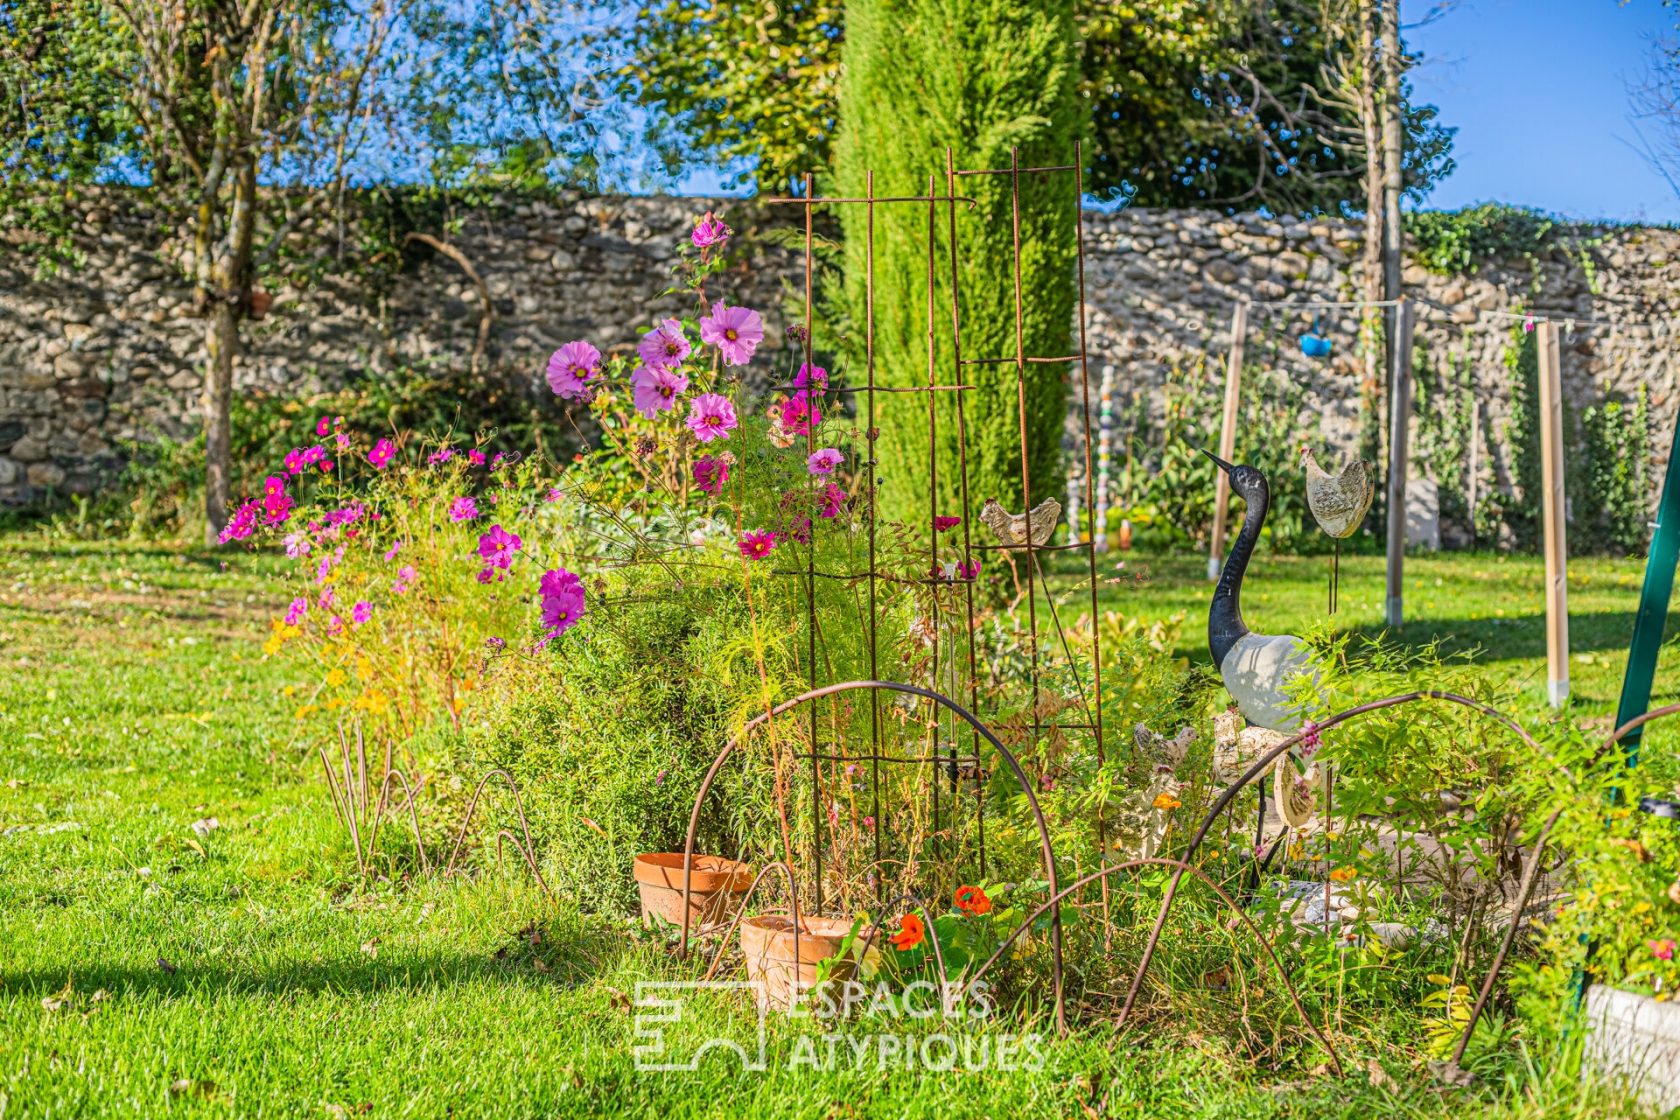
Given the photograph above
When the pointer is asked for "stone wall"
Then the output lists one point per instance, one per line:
(111, 352)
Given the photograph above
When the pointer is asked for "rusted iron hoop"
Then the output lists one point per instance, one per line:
(524, 826)
(1532, 876)
(1261, 766)
(1181, 866)
(974, 722)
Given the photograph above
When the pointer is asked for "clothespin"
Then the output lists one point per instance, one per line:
(1528, 323)
(1569, 326)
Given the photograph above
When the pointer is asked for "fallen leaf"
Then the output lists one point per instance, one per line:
(206, 826)
(64, 996)
(187, 1085)
(166, 966)
(1379, 1076)
(371, 946)
(619, 999)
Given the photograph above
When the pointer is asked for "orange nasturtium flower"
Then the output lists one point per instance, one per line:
(1343, 874)
(973, 900)
(1167, 801)
(910, 933)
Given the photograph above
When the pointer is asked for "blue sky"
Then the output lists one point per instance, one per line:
(1539, 92)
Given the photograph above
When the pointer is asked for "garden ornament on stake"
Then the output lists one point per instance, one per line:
(1256, 668)
(1339, 503)
(1314, 344)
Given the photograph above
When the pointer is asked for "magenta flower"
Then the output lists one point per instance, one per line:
(941, 524)
(463, 509)
(361, 612)
(475, 457)
(325, 601)
(381, 454)
(735, 331)
(277, 507)
(391, 553)
(799, 414)
(654, 390)
(810, 375)
(498, 546)
(799, 530)
(441, 456)
(711, 416)
(665, 346)
(833, 501)
(1309, 740)
(572, 367)
(297, 544)
(1663, 950)
(406, 575)
(341, 440)
(554, 494)
(313, 455)
(241, 524)
(295, 613)
(709, 231)
(824, 461)
(323, 425)
(710, 474)
(869, 822)
(756, 545)
(970, 570)
(562, 602)
(294, 461)
(335, 626)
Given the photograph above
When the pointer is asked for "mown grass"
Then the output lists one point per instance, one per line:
(246, 972)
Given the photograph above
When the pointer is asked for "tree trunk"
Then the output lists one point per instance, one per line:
(1371, 125)
(1392, 150)
(222, 340)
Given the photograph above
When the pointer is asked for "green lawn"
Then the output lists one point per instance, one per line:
(146, 970)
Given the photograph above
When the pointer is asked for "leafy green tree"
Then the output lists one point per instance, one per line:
(1220, 103)
(981, 77)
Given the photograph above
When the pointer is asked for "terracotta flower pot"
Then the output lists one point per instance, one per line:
(786, 965)
(718, 885)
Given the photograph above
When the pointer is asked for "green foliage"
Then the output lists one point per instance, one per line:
(1522, 435)
(981, 77)
(1613, 480)
(759, 84)
(1460, 242)
(1445, 412)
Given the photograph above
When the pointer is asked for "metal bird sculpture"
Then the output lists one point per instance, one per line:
(1255, 667)
(1011, 528)
(1339, 503)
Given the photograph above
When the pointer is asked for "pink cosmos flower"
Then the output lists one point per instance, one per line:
(313, 455)
(824, 461)
(735, 331)
(325, 600)
(710, 474)
(241, 524)
(277, 504)
(941, 524)
(361, 612)
(295, 613)
(441, 456)
(323, 425)
(475, 457)
(869, 822)
(335, 626)
(572, 367)
(294, 461)
(711, 416)
(756, 545)
(654, 390)
(799, 530)
(1663, 950)
(498, 546)
(709, 231)
(406, 575)
(554, 494)
(381, 454)
(463, 509)
(562, 602)
(810, 375)
(665, 346)
(391, 553)
(487, 574)
(970, 570)
(297, 544)
(800, 414)
(342, 441)
(326, 466)
(833, 501)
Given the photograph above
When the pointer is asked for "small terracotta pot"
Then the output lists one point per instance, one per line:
(718, 884)
(786, 965)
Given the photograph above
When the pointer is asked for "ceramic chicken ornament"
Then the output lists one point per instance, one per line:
(1011, 528)
(1339, 503)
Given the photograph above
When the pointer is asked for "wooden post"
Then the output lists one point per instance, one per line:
(1399, 425)
(1553, 514)
(1228, 437)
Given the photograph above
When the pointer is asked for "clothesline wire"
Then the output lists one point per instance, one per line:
(1568, 322)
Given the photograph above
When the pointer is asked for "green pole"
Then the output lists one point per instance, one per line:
(1653, 606)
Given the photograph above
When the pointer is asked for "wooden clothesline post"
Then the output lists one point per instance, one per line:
(1228, 437)
(1553, 513)
(1399, 438)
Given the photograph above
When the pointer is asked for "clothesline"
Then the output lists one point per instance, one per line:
(1569, 323)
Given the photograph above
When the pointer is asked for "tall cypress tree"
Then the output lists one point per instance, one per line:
(980, 77)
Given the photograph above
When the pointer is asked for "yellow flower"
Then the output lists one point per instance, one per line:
(364, 668)
(1343, 874)
(335, 678)
(1167, 801)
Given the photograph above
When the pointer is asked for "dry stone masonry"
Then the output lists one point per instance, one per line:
(108, 353)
